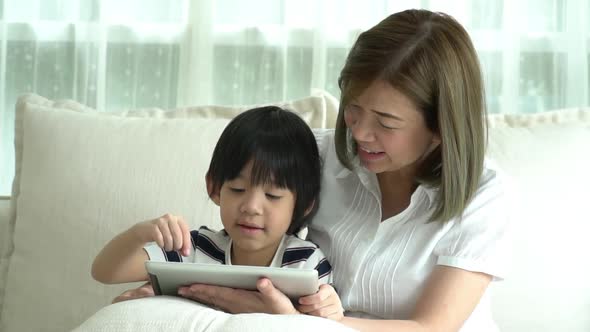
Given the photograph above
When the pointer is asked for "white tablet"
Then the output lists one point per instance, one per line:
(167, 277)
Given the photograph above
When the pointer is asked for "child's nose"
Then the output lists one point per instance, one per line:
(252, 204)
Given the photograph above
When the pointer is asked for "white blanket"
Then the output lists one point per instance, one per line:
(164, 313)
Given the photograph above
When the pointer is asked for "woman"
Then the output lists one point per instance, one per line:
(412, 218)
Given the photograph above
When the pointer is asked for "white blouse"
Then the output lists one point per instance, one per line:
(380, 268)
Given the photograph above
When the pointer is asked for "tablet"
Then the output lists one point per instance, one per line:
(167, 277)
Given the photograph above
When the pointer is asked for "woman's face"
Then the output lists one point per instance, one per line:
(389, 130)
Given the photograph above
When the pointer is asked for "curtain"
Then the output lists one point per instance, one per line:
(113, 54)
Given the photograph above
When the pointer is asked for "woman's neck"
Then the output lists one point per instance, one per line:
(396, 192)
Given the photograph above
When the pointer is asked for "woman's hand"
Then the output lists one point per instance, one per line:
(145, 290)
(325, 303)
(267, 299)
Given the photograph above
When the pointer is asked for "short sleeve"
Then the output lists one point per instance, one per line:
(481, 240)
(155, 253)
(319, 262)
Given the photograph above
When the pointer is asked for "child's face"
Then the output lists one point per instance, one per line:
(255, 217)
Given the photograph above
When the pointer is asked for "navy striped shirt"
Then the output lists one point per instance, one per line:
(214, 247)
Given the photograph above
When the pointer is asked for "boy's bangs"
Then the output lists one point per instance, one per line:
(273, 166)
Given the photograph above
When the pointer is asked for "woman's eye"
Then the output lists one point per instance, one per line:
(352, 108)
(273, 197)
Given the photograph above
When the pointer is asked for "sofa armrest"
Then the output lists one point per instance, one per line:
(4, 215)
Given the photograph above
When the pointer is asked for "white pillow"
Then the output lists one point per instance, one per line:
(83, 176)
(165, 313)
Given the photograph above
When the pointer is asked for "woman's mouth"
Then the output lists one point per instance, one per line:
(369, 155)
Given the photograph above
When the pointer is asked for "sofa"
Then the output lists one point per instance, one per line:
(83, 176)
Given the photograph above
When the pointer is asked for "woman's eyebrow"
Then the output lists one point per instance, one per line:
(388, 115)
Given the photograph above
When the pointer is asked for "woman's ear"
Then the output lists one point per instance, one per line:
(435, 143)
(211, 191)
(436, 140)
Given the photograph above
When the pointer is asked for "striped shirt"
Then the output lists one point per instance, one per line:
(214, 247)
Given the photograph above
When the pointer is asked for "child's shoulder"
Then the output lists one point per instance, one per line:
(297, 249)
(217, 237)
(293, 241)
(299, 253)
(207, 230)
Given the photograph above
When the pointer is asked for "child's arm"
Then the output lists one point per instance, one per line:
(325, 303)
(123, 258)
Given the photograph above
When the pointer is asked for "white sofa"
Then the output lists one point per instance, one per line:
(83, 176)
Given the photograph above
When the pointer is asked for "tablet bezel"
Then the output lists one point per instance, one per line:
(167, 277)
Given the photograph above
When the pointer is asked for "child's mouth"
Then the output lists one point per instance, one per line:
(250, 229)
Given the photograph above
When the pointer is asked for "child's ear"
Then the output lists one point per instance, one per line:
(309, 208)
(213, 194)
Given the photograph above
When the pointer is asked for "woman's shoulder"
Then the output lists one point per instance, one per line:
(480, 239)
(325, 139)
(493, 199)
(493, 179)
(327, 149)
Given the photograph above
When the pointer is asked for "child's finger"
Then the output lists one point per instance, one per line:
(309, 299)
(307, 309)
(149, 231)
(166, 235)
(176, 233)
(187, 243)
(318, 297)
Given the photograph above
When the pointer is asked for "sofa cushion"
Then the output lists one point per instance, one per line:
(547, 156)
(83, 176)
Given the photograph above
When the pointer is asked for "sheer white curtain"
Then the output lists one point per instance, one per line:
(114, 54)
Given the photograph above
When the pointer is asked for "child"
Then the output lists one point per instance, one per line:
(265, 176)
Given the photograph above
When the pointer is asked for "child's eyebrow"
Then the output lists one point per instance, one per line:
(240, 176)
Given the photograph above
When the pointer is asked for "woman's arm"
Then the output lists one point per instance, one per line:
(267, 299)
(450, 296)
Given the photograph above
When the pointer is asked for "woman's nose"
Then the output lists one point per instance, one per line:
(362, 128)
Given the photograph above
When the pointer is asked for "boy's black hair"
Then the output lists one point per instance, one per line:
(283, 150)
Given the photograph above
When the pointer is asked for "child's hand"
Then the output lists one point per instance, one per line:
(325, 303)
(170, 232)
(145, 290)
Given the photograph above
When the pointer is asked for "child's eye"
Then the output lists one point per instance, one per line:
(237, 190)
(273, 197)
(386, 127)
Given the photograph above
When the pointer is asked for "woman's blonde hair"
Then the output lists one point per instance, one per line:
(430, 58)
